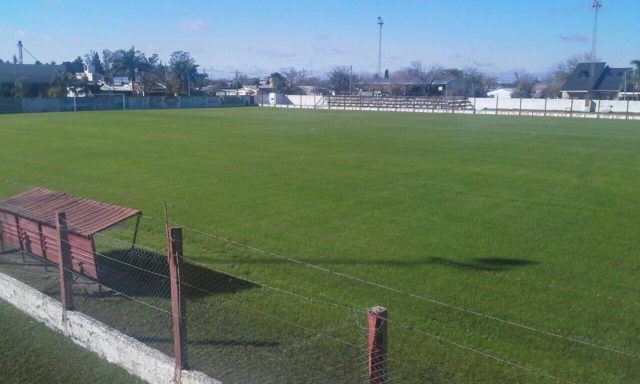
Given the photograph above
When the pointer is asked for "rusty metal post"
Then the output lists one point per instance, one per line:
(377, 349)
(178, 308)
(64, 263)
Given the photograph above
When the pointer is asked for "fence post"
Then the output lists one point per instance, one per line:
(75, 108)
(475, 100)
(124, 103)
(178, 309)
(300, 101)
(520, 112)
(598, 112)
(377, 349)
(571, 109)
(627, 118)
(64, 263)
(545, 107)
(497, 97)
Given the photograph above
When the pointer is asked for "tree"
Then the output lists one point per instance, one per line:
(474, 83)
(278, 82)
(293, 77)
(93, 59)
(75, 66)
(340, 80)
(183, 72)
(524, 85)
(386, 74)
(129, 63)
(22, 88)
(59, 84)
(425, 76)
(559, 75)
(107, 60)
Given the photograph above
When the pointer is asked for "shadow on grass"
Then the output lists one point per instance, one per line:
(492, 264)
(139, 272)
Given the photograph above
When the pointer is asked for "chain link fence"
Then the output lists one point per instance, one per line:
(118, 103)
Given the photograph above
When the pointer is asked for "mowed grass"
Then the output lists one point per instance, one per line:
(32, 353)
(528, 226)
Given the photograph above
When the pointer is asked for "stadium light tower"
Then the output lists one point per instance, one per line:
(597, 4)
(380, 23)
(20, 46)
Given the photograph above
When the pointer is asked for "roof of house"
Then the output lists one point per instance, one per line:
(612, 79)
(31, 73)
(595, 77)
(84, 217)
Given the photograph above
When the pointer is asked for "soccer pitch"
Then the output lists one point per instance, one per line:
(515, 237)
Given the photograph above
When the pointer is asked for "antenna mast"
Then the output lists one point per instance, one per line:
(597, 4)
(380, 23)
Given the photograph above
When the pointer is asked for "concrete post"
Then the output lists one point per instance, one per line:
(377, 349)
(64, 263)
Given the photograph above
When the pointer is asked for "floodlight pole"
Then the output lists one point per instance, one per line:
(597, 4)
(380, 23)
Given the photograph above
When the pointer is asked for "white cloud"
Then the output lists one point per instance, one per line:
(193, 25)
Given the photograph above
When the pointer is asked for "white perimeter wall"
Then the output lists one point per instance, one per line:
(135, 357)
(480, 103)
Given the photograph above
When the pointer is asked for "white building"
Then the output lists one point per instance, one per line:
(501, 93)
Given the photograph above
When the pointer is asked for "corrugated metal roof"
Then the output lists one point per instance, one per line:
(85, 217)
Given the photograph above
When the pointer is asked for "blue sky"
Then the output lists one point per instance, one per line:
(260, 36)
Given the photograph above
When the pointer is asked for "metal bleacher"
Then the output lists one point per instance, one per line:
(400, 103)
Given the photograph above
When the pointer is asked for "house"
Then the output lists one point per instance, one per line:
(501, 93)
(595, 81)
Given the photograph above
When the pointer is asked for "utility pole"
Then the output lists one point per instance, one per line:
(380, 23)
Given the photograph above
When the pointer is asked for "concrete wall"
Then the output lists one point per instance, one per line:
(558, 105)
(135, 357)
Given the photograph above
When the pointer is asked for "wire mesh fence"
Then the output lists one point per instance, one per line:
(242, 326)
(117, 102)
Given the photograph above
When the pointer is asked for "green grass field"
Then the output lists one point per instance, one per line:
(32, 353)
(532, 221)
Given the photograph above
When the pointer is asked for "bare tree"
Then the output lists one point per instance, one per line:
(294, 77)
(524, 85)
(559, 75)
(425, 75)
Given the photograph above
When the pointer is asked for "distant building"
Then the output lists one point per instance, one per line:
(501, 93)
(29, 73)
(595, 81)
